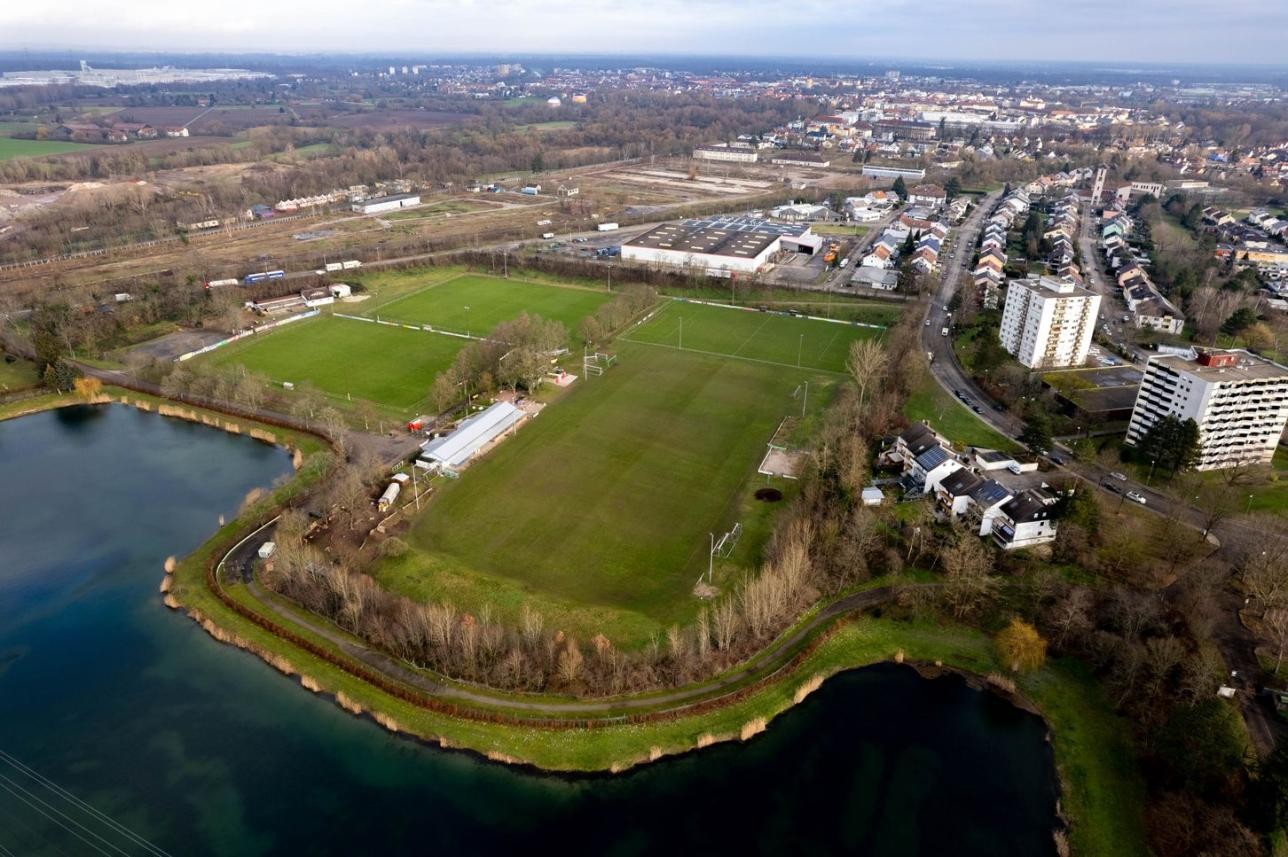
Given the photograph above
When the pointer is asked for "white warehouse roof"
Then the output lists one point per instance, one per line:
(470, 436)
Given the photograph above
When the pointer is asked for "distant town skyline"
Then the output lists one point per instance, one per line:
(1142, 31)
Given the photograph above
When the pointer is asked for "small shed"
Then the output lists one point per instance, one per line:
(387, 499)
(266, 549)
(872, 496)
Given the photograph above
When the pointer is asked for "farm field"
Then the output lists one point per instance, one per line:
(597, 513)
(766, 337)
(474, 303)
(385, 365)
(11, 148)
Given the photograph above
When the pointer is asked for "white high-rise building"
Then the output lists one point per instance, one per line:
(1047, 322)
(1238, 400)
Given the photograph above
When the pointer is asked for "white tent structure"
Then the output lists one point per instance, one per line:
(453, 450)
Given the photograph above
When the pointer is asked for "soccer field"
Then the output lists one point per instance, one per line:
(597, 512)
(768, 337)
(385, 365)
(475, 304)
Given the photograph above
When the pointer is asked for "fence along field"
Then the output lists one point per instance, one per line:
(385, 365)
(781, 340)
(598, 512)
(392, 366)
(475, 303)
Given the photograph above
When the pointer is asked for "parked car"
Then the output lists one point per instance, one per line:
(1110, 485)
(1121, 477)
(1055, 459)
(1136, 497)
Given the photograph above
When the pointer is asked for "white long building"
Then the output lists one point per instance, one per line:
(720, 246)
(1048, 323)
(1238, 400)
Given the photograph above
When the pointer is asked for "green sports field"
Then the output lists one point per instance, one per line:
(475, 304)
(11, 148)
(386, 365)
(598, 511)
(783, 340)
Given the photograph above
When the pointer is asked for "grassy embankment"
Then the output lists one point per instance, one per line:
(952, 419)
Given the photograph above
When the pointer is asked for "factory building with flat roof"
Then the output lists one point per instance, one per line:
(720, 246)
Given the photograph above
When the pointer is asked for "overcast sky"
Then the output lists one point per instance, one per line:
(1119, 31)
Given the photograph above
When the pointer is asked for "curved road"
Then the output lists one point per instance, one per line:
(239, 561)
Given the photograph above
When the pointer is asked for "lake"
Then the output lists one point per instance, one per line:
(163, 738)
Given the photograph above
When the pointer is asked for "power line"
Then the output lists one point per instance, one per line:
(88, 808)
(76, 802)
(52, 818)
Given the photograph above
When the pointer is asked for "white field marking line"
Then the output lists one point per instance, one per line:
(748, 340)
(823, 351)
(739, 357)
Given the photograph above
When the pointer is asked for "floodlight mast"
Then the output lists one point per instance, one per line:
(711, 558)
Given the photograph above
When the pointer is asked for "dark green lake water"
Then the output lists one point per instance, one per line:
(204, 750)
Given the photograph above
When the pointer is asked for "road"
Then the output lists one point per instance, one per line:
(240, 561)
(1237, 644)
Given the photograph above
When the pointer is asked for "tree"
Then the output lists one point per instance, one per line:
(1172, 443)
(1239, 321)
(1037, 430)
(1020, 646)
(59, 376)
(900, 188)
(952, 188)
(88, 388)
(866, 364)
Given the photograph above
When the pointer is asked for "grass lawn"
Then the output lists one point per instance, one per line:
(385, 365)
(18, 374)
(11, 148)
(763, 337)
(476, 303)
(952, 419)
(597, 513)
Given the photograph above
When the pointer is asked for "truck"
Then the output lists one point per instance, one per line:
(607, 227)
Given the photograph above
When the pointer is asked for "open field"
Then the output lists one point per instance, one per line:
(11, 148)
(759, 336)
(605, 501)
(385, 365)
(952, 419)
(18, 374)
(476, 303)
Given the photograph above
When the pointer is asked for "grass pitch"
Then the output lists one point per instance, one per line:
(598, 511)
(389, 366)
(780, 340)
(476, 303)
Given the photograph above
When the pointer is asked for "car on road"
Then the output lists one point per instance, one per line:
(999, 407)
(943, 332)
(1056, 460)
(927, 322)
(1109, 485)
(1121, 477)
(976, 408)
(1136, 497)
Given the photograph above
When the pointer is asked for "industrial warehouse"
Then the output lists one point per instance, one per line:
(722, 245)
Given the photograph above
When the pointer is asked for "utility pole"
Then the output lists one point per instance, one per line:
(805, 400)
(711, 557)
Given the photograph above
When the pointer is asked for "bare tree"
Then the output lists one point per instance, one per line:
(866, 364)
